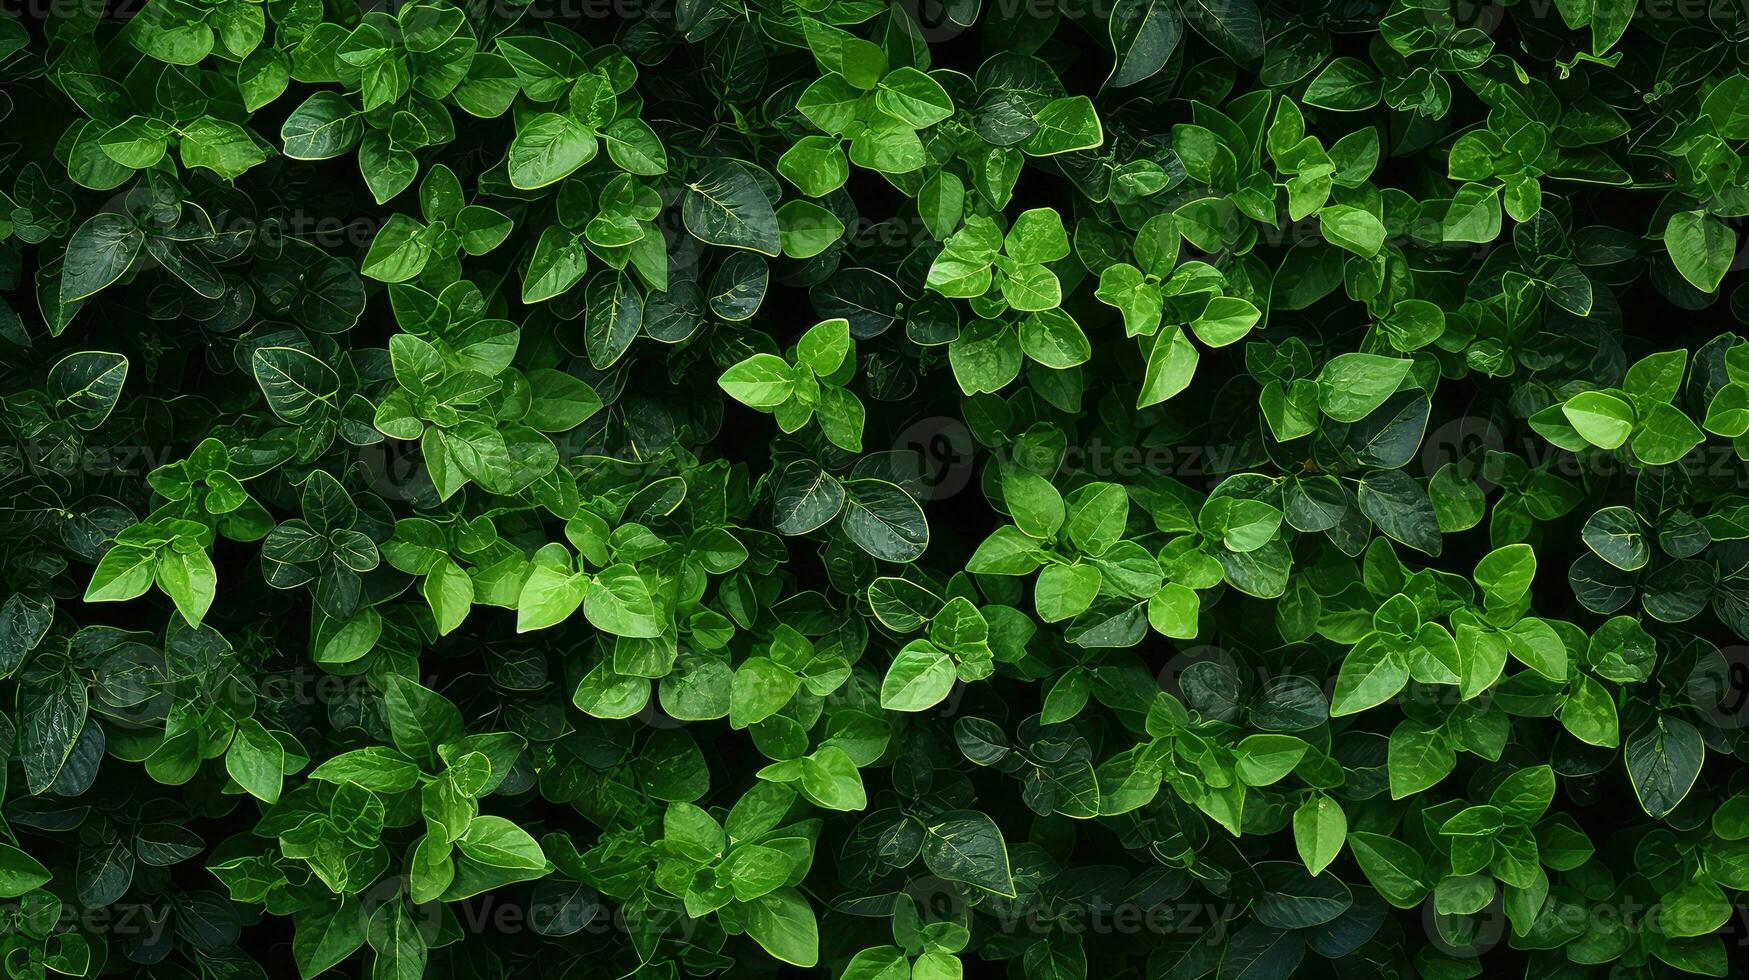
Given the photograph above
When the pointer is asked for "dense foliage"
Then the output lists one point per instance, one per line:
(1160, 489)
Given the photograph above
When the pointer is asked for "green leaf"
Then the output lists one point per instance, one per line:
(87, 385)
(919, 678)
(1065, 125)
(1036, 237)
(1602, 419)
(420, 719)
(326, 935)
(399, 252)
(1589, 712)
(1225, 320)
(829, 779)
(1320, 827)
(1171, 363)
(725, 206)
(1657, 377)
(1372, 673)
(547, 149)
(559, 402)
(824, 347)
(884, 520)
(806, 229)
(807, 498)
(911, 95)
(614, 316)
(256, 761)
(1609, 21)
(815, 165)
(225, 148)
(1345, 85)
(762, 381)
(1233, 26)
(783, 924)
(498, 843)
(1097, 514)
(98, 254)
(1663, 762)
(967, 846)
(19, 872)
(1353, 229)
(1701, 248)
(1262, 760)
(761, 688)
(1143, 33)
(635, 148)
(1615, 535)
(878, 963)
(400, 947)
(1036, 506)
(558, 263)
(548, 597)
(1665, 435)
(125, 572)
(1504, 574)
(1400, 507)
(323, 127)
(1351, 386)
(1474, 215)
(1392, 866)
(618, 601)
(189, 579)
(1418, 759)
(297, 386)
(377, 768)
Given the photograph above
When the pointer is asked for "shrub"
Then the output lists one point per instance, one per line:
(1147, 489)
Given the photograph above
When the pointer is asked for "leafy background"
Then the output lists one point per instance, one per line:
(1157, 489)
